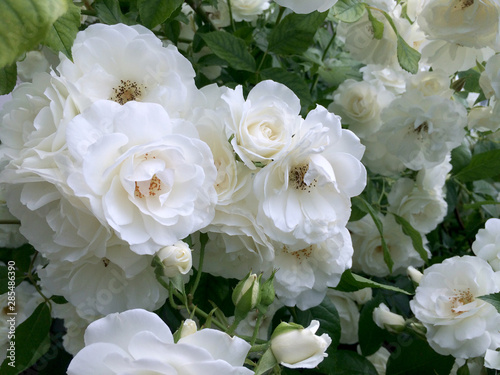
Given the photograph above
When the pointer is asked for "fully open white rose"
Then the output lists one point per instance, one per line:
(468, 23)
(147, 176)
(309, 6)
(305, 197)
(262, 126)
(298, 347)
(138, 341)
(457, 322)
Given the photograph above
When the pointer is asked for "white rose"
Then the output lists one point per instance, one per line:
(388, 320)
(313, 182)
(490, 77)
(298, 347)
(147, 176)
(393, 78)
(485, 119)
(368, 253)
(140, 342)
(176, 259)
(349, 315)
(457, 322)
(487, 243)
(301, 6)
(435, 82)
(360, 104)
(421, 130)
(467, 23)
(247, 10)
(379, 360)
(261, 127)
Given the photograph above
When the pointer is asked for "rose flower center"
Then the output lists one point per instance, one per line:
(127, 91)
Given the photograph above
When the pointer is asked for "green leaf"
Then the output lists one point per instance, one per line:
(481, 166)
(295, 33)
(63, 32)
(378, 26)
(8, 78)
(493, 299)
(5, 277)
(30, 341)
(460, 158)
(408, 57)
(231, 49)
(351, 282)
(154, 12)
(109, 12)
(267, 362)
(293, 81)
(415, 357)
(368, 208)
(25, 23)
(346, 362)
(349, 10)
(416, 237)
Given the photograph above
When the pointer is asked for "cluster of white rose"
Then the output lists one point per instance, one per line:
(116, 156)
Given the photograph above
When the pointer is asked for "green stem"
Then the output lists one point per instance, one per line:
(329, 43)
(259, 347)
(231, 15)
(203, 242)
(87, 12)
(201, 12)
(280, 15)
(257, 327)
(10, 222)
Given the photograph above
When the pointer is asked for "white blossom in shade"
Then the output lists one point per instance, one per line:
(490, 77)
(247, 10)
(138, 341)
(434, 178)
(466, 23)
(304, 198)
(378, 159)
(176, 259)
(74, 324)
(393, 79)
(485, 119)
(349, 315)
(298, 347)
(492, 359)
(10, 237)
(25, 302)
(247, 326)
(368, 253)
(237, 243)
(435, 82)
(457, 322)
(424, 209)
(98, 286)
(304, 7)
(128, 63)
(359, 104)
(421, 130)
(33, 62)
(379, 360)
(261, 128)
(451, 57)
(487, 243)
(147, 176)
(303, 276)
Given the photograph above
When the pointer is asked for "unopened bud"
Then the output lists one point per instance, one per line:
(246, 295)
(388, 320)
(414, 274)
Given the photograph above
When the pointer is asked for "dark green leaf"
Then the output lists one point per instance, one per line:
(109, 12)
(346, 362)
(460, 158)
(5, 277)
(293, 81)
(154, 12)
(30, 341)
(481, 166)
(63, 32)
(349, 10)
(416, 237)
(415, 357)
(351, 282)
(377, 26)
(463, 370)
(493, 299)
(8, 78)
(295, 33)
(267, 362)
(368, 208)
(231, 49)
(408, 57)
(329, 321)
(371, 336)
(60, 300)
(25, 23)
